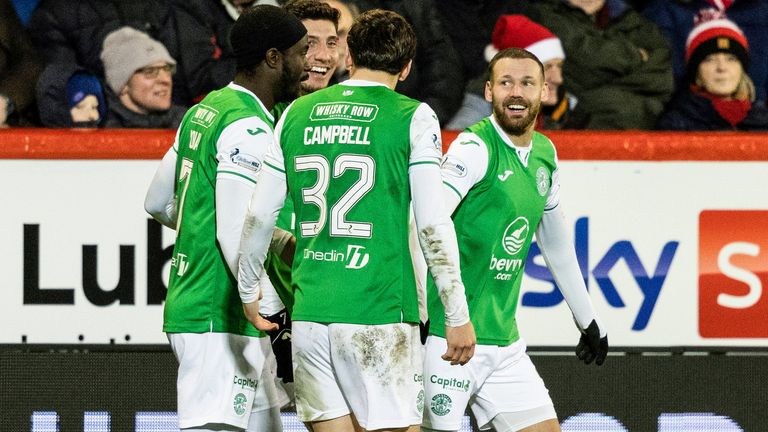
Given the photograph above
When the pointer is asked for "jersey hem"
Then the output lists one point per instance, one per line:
(348, 320)
(176, 329)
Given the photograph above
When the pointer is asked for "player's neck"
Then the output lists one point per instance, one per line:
(377, 76)
(522, 140)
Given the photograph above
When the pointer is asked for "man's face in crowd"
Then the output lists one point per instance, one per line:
(515, 90)
(553, 75)
(322, 56)
(149, 89)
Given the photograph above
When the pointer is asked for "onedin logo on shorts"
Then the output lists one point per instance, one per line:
(239, 404)
(420, 401)
(542, 181)
(515, 235)
(441, 404)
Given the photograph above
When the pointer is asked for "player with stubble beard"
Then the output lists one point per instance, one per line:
(501, 159)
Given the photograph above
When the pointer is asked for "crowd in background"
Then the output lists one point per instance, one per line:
(612, 64)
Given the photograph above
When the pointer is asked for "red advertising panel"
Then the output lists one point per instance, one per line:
(733, 273)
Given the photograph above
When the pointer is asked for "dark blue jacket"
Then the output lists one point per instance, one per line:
(688, 111)
(675, 18)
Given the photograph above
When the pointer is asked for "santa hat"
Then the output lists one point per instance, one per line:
(518, 31)
(709, 37)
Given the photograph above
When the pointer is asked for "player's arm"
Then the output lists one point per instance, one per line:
(437, 235)
(265, 203)
(160, 201)
(560, 256)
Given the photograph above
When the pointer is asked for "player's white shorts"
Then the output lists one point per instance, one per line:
(496, 380)
(223, 378)
(372, 370)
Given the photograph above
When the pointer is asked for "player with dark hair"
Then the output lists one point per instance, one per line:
(352, 156)
(201, 189)
(502, 159)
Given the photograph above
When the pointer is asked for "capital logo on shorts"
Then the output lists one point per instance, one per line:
(733, 272)
(239, 404)
(542, 181)
(515, 235)
(441, 404)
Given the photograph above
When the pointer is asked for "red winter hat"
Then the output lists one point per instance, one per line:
(518, 31)
(717, 35)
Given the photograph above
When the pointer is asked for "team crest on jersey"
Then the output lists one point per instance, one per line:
(244, 160)
(454, 166)
(515, 235)
(542, 181)
(441, 404)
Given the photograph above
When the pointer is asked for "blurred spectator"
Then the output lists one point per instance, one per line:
(69, 97)
(469, 24)
(205, 57)
(73, 32)
(617, 62)
(720, 94)
(436, 76)
(139, 73)
(19, 69)
(24, 9)
(676, 19)
(517, 31)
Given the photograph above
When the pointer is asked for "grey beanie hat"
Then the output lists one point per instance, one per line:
(127, 50)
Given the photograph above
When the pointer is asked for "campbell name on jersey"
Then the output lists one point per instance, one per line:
(221, 136)
(495, 223)
(346, 152)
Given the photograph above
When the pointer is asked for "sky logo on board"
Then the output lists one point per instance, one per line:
(733, 273)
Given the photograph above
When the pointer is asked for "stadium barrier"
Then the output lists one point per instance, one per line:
(671, 232)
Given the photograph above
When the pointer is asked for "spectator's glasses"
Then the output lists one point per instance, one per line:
(154, 71)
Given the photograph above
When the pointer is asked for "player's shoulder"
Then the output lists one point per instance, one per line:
(543, 144)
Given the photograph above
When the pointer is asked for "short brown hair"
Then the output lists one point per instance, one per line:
(381, 40)
(313, 10)
(514, 53)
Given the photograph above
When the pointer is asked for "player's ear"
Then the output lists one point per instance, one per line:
(406, 71)
(488, 92)
(273, 58)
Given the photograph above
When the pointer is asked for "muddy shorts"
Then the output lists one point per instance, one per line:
(372, 371)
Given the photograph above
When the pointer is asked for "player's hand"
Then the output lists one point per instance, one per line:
(461, 343)
(252, 314)
(289, 251)
(591, 346)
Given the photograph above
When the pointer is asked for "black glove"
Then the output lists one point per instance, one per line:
(281, 344)
(424, 331)
(591, 346)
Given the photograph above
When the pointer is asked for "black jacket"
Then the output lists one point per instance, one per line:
(118, 116)
(688, 111)
(73, 32)
(436, 77)
(52, 96)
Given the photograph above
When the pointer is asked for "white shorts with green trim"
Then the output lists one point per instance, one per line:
(496, 380)
(223, 378)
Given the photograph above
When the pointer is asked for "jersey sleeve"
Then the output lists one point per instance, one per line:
(426, 141)
(241, 148)
(274, 161)
(553, 199)
(465, 163)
